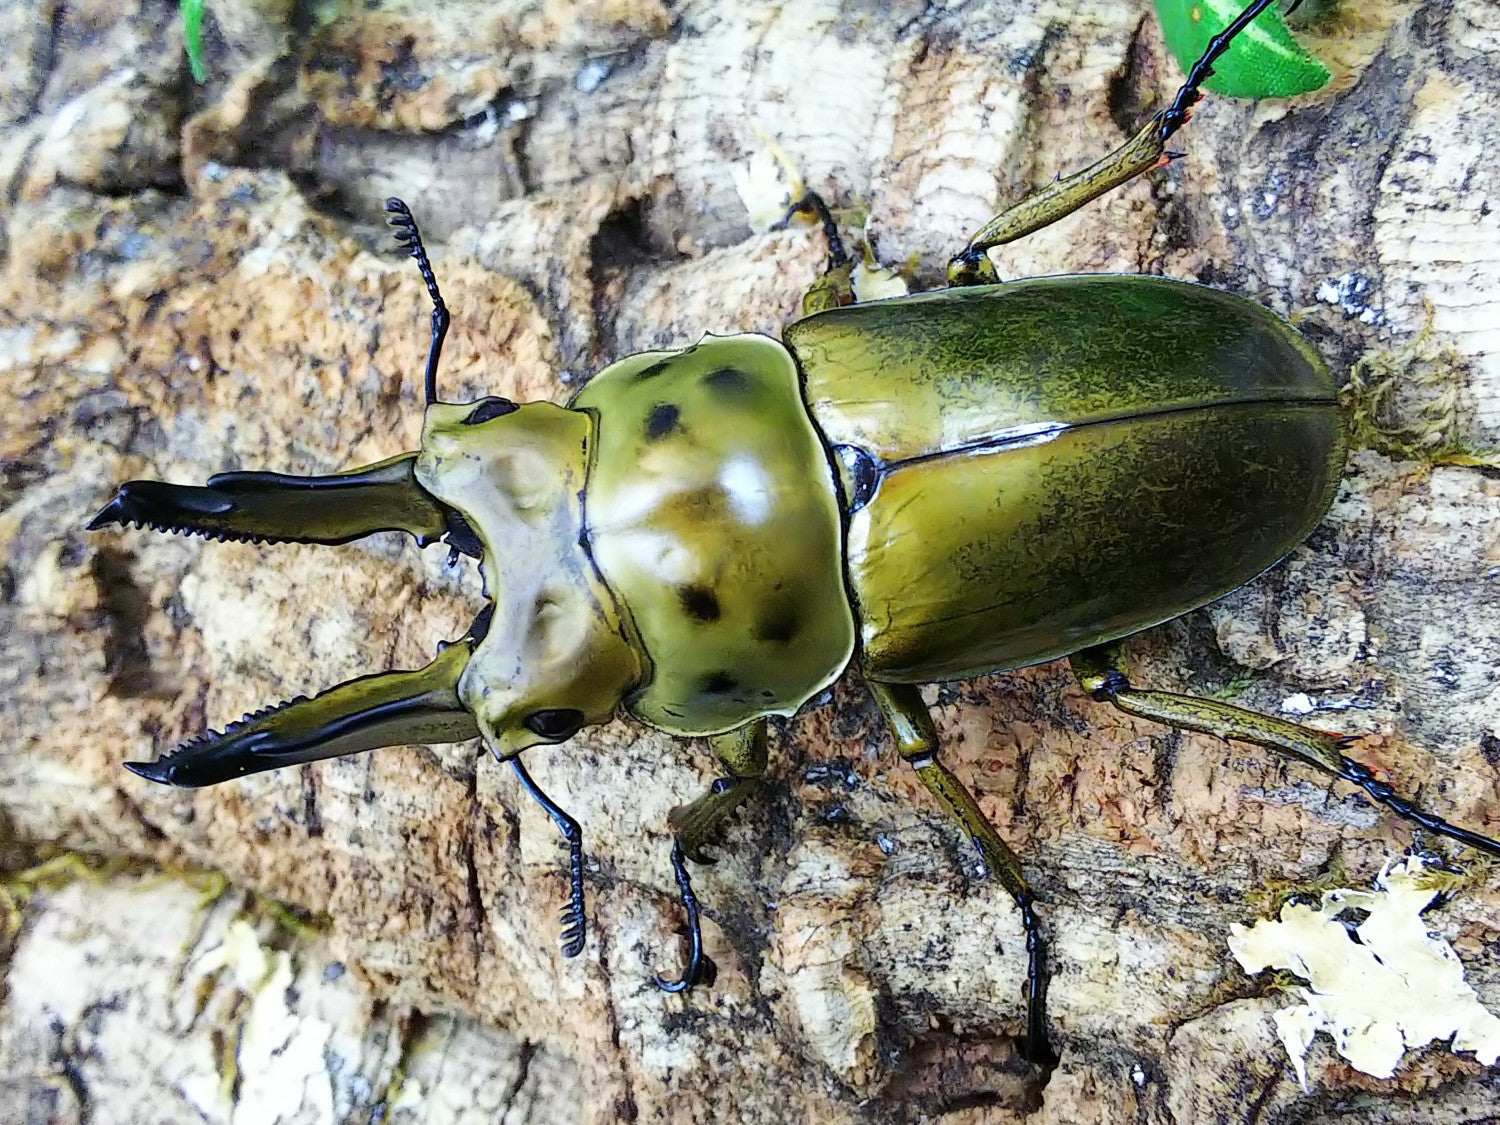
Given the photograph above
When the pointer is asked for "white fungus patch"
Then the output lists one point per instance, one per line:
(767, 183)
(1398, 987)
(1299, 704)
(876, 283)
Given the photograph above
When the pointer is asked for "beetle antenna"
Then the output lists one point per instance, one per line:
(699, 966)
(409, 236)
(1176, 115)
(573, 918)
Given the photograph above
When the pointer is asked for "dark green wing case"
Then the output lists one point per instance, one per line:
(1061, 461)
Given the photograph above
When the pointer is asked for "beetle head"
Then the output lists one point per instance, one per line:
(556, 654)
(550, 653)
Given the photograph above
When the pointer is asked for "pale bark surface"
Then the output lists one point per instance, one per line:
(194, 280)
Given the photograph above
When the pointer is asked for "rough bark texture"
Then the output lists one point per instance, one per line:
(194, 280)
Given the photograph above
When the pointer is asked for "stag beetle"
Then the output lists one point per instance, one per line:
(933, 487)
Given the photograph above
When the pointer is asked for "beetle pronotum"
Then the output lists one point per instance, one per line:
(709, 537)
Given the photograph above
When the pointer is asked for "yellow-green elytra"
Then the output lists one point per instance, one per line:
(1058, 462)
(928, 487)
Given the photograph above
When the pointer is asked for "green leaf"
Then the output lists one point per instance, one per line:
(192, 35)
(1264, 61)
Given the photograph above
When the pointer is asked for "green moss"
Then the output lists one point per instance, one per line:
(1232, 688)
(411, 1037)
(1428, 432)
(1478, 872)
(52, 873)
(58, 868)
(1268, 900)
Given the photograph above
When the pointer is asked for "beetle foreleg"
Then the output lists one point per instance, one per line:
(1143, 152)
(917, 743)
(573, 917)
(1102, 672)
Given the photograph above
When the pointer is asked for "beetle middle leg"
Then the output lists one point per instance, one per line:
(1103, 673)
(917, 743)
(1143, 152)
(743, 752)
(835, 288)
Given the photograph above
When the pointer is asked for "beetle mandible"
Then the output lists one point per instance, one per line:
(980, 478)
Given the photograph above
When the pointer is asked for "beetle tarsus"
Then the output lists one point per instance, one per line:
(408, 236)
(1176, 115)
(811, 203)
(699, 967)
(575, 926)
(1035, 1047)
(1382, 793)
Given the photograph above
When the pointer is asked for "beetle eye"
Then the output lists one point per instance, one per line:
(487, 408)
(556, 723)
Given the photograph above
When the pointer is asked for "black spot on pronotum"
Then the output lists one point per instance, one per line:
(487, 408)
(699, 602)
(727, 380)
(662, 421)
(778, 623)
(716, 683)
(651, 371)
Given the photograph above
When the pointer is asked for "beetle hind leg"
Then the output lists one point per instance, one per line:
(1102, 672)
(265, 507)
(917, 743)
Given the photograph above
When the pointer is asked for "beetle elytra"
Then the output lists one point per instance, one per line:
(934, 487)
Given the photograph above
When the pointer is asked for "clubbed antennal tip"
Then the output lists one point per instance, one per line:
(409, 237)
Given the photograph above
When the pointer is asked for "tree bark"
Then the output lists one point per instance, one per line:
(195, 279)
